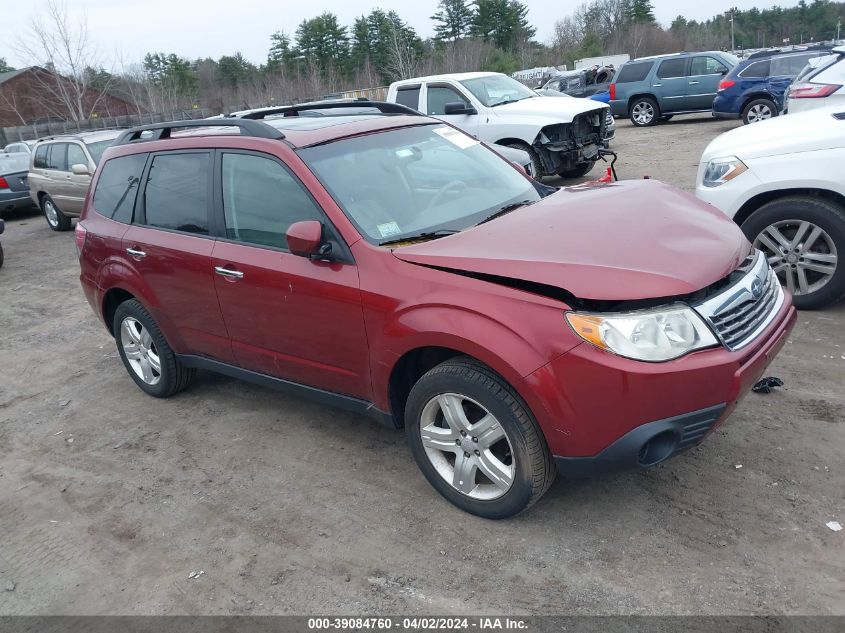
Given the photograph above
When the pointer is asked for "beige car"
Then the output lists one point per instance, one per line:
(60, 172)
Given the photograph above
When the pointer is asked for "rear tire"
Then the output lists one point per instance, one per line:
(148, 359)
(644, 112)
(536, 163)
(759, 110)
(1, 256)
(56, 220)
(579, 170)
(816, 260)
(509, 444)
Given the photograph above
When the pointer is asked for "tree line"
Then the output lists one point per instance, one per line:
(322, 56)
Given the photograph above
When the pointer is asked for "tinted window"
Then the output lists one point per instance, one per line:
(439, 96)
(117, 187)
(757, 69)
(789, 66)
(672, 68)
(409, 97)
(41, 157)
(57, 156)
(75, 155)
(706, 66)
(261, 200)
(633, 72)
(176, 195)
(96, 149)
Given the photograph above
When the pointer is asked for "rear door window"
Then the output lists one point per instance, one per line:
(176, 193)
(409, 96)
(634, 72)
(40, 160)
(117, 187)
(57, 157)
(670, 68)
(757, 69)
(706, 65)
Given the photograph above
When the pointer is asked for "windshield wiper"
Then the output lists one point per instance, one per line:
(507, 209)
(420, 236)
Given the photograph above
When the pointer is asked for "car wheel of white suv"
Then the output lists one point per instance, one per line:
(804, 239)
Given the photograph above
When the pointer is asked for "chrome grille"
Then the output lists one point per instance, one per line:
(742, 311)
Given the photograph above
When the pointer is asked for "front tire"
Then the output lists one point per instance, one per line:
(644, 112)
(536, 163)
(148, 359)
(56, 220)
(476, 441)
(804, 239)
(759, 110)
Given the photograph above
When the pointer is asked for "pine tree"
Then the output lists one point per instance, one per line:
(452, 20)
(281, 55)
(4, 67)
(641, 12)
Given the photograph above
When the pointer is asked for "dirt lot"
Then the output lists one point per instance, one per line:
(109, 499)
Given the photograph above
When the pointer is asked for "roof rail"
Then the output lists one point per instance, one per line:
(163, 130)
(384, 107)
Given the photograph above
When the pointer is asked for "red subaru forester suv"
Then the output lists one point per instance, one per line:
(389, 264)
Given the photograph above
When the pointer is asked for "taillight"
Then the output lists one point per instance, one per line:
(4, 184)
(725, 84)
(612, 91)
(81, 234)
(810, 90)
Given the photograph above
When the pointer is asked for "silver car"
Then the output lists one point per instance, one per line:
(60, 172)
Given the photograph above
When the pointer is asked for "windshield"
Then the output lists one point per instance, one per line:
(96, 149)
(493, 90)
(401, 183)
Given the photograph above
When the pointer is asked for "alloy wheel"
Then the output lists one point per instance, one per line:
(140, 351)
(759, 112)
(643, 112)
(51, 213)
(467, 446)
(802, 254)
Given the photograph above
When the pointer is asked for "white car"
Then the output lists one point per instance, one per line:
(562, 136)
(783, 181)
(821, 83)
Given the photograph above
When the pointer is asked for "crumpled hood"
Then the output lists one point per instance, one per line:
(623, 241)
(556, 109)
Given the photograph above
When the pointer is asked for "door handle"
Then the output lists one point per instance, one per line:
(693, 83)
(656, 85)
(134, 252)
(229, 273)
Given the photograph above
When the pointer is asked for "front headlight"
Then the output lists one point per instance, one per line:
(651, 335)
(721, 170)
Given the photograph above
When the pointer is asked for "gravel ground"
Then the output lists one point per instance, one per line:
(111, 500)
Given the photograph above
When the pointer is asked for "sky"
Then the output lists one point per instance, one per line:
(210, 28)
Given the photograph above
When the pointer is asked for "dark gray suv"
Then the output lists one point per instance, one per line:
(652, 89)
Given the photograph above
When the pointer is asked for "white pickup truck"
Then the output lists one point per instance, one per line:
(562, 136)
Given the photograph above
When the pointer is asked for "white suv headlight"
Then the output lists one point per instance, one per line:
(652, 335)
(721, 170)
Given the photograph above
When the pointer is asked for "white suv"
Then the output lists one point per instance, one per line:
(782, 181)
(821, 83)
(562, 136)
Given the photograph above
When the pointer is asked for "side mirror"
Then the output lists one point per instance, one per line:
(80, 170)
(521, 168)
(305, 239)
(456, 107)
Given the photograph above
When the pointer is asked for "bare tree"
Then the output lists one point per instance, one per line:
(402, 58)
(63, 49)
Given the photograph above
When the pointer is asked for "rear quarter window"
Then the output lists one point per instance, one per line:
(40, 160)
(634, 72)
(117, 187)
(757, 69)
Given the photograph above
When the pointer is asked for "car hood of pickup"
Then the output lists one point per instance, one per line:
(551, 109)
(633, 240)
